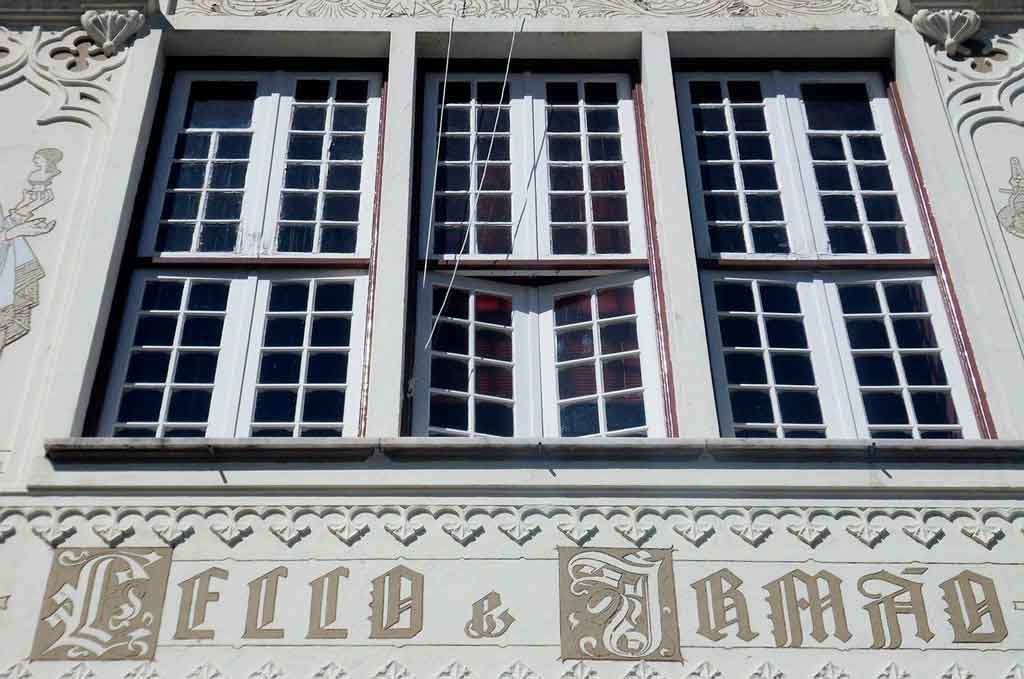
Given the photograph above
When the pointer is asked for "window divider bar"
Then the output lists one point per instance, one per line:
(235, 263)
(853, 264)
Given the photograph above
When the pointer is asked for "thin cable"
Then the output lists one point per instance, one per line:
(483, 176)
(437, 151)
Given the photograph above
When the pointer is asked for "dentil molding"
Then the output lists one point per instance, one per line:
(71, 66)
(693, 525)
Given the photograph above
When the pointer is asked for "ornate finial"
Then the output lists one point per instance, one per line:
(950, 28)
(111, 29)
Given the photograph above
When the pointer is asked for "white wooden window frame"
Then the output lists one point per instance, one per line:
(250, 379)
(944, 339)
(536, 404)
(526, 388)
(265, 175)
(788, 130)
(650, 366)
(531, 223)
(831, 356)
(241, 343)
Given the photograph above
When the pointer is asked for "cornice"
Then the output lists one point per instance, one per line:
(61, 13)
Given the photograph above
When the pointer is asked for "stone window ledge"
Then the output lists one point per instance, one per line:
(70, 452)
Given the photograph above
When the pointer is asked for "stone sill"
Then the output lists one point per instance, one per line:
(71, 452)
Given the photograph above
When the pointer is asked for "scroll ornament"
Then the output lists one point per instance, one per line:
(948, 28)
(71, 66)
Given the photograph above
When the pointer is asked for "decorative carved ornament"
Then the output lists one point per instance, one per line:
(948, 28)
(525, 8)
(395, 670)
(71, 67)
(637, 525)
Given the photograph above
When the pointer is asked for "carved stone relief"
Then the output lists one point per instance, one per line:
(694, 526)
(71, 67)
(525, 8)
(20, 271)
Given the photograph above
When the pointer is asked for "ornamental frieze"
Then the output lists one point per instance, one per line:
(564, 9)
(984, 529)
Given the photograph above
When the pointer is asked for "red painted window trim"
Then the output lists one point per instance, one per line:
(965, 351)
(371, 285)
(654, 257)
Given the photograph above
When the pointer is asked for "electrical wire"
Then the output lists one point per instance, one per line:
(483, 177)
(437, 151)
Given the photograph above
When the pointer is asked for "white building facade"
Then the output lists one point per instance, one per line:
(449, 340)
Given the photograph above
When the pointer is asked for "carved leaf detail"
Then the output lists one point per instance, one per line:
(893, 671)
(53, 532)
(1016, 672)
(170, 530)
(580, 670)
(268, 671)
(924, 534)
(455, 670)
(518, 530)
(831, 671)
(406, 530)
(79, 671)
(867, 532)
(957, 672)
(518, 670)
(6, 531)
(768, 671)
(109, 529)
(393, 670)
(347, 530)
(18, 670)
(985, 535)
(695, 532)
(205, 671)
(642, 670)
(811, 533)
(705, 671)
(143, 671)
(330, 671)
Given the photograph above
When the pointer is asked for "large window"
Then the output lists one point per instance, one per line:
(572, 359)
(538, 166)
(217, 338)
(795, 163)
(801, 200)
(265, 165)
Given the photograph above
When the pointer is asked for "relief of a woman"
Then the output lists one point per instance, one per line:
(20, 271)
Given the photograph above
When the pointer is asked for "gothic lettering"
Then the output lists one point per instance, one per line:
(967, 613)
(262, 608)
(323, 605)
(885, 610)
(397, 604)
(195, 596)
(798, 591)
(721, 604)
(490, 619)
